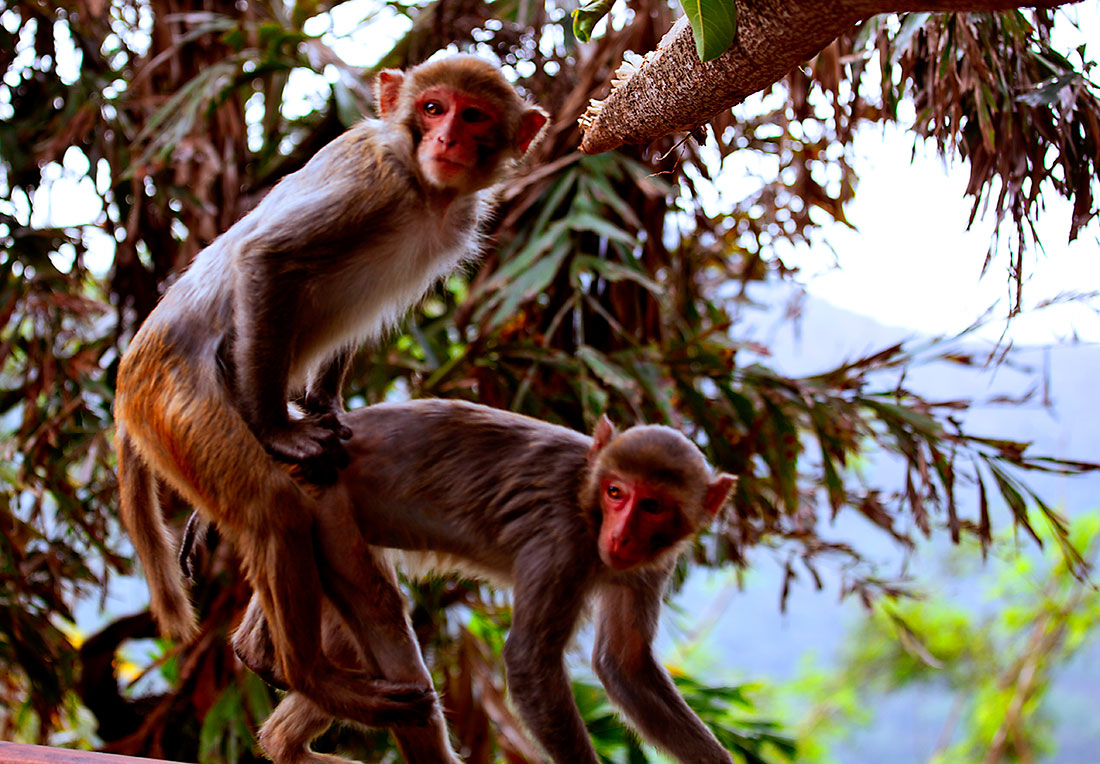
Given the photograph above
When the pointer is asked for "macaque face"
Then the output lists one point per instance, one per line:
(640, 520)
(458, 132)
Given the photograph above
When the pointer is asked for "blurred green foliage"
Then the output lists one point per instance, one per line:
(994, 649)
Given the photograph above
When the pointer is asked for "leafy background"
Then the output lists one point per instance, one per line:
(605, 287)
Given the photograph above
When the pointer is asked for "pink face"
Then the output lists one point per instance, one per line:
(639, 521)
(456, 128)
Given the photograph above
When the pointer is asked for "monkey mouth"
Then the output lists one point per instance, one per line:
(450, 165)
(618, 562)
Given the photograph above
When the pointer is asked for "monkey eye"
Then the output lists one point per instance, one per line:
(474, 116)
(650, 506)
(433, 108)
(614, 492)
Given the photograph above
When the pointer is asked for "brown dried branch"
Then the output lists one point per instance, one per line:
(672, 91)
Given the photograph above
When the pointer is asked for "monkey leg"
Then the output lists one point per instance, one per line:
(364, 591)
(179, 420)
(254, 647)
(286, 735)
(289, 589)
(297, 721)
(293, 725)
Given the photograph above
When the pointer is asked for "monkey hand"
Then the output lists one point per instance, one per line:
(330, 420)
(325, 410)
(314, 444)
(386, 703)
(402, 704)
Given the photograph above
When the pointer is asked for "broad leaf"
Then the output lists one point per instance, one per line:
(587, 16)
(714, 23)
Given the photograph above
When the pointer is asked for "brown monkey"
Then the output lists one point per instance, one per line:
(569, 521)
(272, 310)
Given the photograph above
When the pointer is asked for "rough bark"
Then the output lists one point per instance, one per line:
(673, 91)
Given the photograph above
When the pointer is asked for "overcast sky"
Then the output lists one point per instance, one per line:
(911, 261)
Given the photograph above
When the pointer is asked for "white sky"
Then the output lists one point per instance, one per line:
(912, 263)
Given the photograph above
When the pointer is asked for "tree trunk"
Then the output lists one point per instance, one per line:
(673, 91)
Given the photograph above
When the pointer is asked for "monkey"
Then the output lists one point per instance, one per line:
(572, 523)
(271, 312)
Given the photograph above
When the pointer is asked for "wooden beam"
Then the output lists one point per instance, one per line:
(19, 753)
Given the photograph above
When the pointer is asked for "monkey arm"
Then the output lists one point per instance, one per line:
(626, 623)
(544, 615)
(289, 254)
(263, 365)
(324, 396)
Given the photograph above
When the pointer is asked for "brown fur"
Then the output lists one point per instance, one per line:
(448, 485)
(332, 257)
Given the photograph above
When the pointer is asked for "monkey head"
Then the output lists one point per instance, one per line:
(649, 488)
(467, 122)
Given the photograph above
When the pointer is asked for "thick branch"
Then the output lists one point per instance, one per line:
(673, 91)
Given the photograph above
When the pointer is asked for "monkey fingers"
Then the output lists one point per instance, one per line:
(384, 703)
(317, 449)
(325, 469)
(399, 703)
(362, 697)
(330, 420)
(301, 439)
(198, 535)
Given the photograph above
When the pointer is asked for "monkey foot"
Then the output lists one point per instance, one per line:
(374, 702)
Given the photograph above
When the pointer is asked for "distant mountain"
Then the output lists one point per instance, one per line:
(750, 639)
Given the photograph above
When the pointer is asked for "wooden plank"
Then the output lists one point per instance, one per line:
(19, 753)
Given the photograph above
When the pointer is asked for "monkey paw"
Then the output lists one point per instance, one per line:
(398, 704)
(326, 411)
(330, 420)
(314, 444)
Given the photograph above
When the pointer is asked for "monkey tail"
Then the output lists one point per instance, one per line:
(142, 516)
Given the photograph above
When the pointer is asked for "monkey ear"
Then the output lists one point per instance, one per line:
(605, 431)
(530, 127)
(718, 492)
(386, 90)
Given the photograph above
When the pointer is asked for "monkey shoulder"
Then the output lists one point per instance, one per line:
(361, 168)
(194, 311)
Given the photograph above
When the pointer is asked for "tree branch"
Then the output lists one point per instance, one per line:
(672, 91)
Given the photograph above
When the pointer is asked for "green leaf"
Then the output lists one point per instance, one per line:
(613, 271)
(781, 453)
(1011, 492)
(587, 16)
(714, 23)
(984, 103)
(526, 257)
(1048, 93)
(911, 23)
(609, 373)
(588, 222)
(552, 200)
(534, 280)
